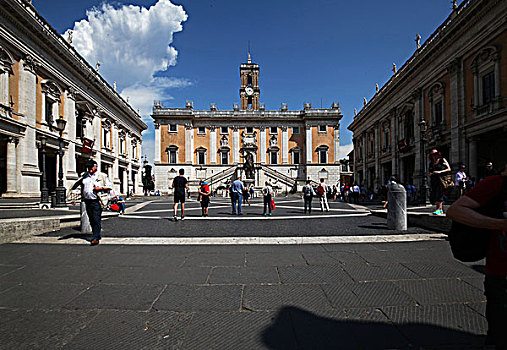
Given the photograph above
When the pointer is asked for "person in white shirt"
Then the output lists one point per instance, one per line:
(95, 183)
(322, 194)
(267, 193)
(461, 179)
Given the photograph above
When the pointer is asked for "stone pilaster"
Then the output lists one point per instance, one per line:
(69, 166)
(189, 144)
(235, 145)
(366, 174)
(262, 144)
(12, 166)
(285, 145)
(309, 146)
(418, 116)
(377, 155)
(213, 145)
(454, 69)
(394, 143)
(158, 145)
(472, 160)
(116, 153)
(336, 130)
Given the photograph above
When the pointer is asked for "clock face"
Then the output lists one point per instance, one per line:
(249, 91)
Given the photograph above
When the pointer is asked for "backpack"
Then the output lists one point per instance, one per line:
(307, 191)
(469, 244)
(320, 190)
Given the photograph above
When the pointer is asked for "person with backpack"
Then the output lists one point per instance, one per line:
(485, 208)
(322, 194)
(180, 185)
(308, 194)
(267, 194)
(204, 194)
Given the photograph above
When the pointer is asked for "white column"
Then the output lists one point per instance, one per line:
(158, 146)
(235, 145)
(262, 144)
(336, 131)
(12, 166)
(309, 146)
(69, 166)
(285, 145)
(189, 144)
(30, 173)
(116, 167)
(213, 145)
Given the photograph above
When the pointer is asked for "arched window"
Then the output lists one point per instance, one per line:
(486, 70)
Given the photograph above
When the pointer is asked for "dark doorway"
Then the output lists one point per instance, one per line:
(50, 170)
(121, 171)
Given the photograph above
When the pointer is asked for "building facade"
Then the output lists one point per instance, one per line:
(42, 79)
(284, 147)
(450, 95)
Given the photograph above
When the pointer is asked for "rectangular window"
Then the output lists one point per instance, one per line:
(274, 157)
(322, 156)
(322, 128)
(344, 167)
(296, 158)
(49, 111)
(173, 128)
(105, 142)
(273, 130)
(201, 158)
(225, 157)
(295, 130)
(488, 87)
(224, 130)
(79, 125)
(122, 148)
(249, 130)
(201, 130)
(438, 110)
(172, 157)
(134, 147)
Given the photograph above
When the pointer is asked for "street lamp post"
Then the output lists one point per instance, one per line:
(61, 191)
(424, 189)
(44, 193)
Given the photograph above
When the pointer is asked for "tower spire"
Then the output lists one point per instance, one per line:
(249, 56)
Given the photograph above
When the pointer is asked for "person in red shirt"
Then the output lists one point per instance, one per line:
(205, 193)
(489, 195)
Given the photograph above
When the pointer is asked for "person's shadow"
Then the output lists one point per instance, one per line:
(294, 328)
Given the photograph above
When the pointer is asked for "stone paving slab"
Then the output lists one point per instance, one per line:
(367, 294)
(242, 331)
(155, 275)
(39, 296)
(313, 274)
(438, 291)
(447, 269)
(120, 329)
(216, 259)
(122, 297)
(275, 297)
(244, 275)
(200, 298)
(381, 272)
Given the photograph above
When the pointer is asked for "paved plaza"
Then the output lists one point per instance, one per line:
(240, 282)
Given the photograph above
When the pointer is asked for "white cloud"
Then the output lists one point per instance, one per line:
(345, 150)
(132, 44)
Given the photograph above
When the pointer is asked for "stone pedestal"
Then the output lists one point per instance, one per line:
(396, 207)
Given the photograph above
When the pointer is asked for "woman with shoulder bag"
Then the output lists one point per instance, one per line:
(440, 179)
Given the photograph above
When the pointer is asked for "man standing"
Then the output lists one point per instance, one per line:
(236, 195)
(308, 194)
(95, 184)
(322, 194)
(180, 184)
(489, 196)
(461, 179)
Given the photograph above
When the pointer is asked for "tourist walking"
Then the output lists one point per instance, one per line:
(246, 196)
(308, 194)
(236, 195)
(204, 194)
(267, 194)
(439, 169)
(335, 192)
(356, 190)
(96, 185)
(180, 185)
(322, 194)
(461, 180)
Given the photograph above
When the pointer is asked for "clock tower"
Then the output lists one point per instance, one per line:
(249, 91)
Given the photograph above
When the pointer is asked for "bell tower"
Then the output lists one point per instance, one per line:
(249, 91)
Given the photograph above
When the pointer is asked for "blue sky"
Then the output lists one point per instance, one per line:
(318, 51)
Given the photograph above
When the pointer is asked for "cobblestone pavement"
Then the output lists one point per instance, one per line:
(390, 295)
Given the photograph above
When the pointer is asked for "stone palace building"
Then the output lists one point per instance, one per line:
(282, 146)
(42, 79)
(451, 95)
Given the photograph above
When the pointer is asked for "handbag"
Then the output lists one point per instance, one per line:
(469, 244)
(446, 181)
(103, 199)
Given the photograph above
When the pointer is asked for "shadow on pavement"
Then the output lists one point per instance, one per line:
(316, 332)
